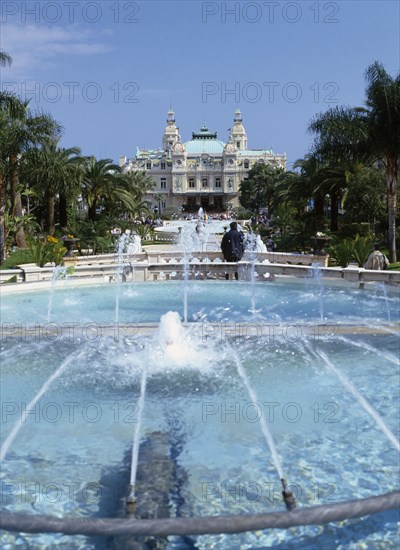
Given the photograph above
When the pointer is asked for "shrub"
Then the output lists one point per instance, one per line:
(363, 229)
(342, 252)
(242, 214)
(144, 231)
(361, 249)
(103, 244)
(351, 249)
(170, 212)
(46, 249)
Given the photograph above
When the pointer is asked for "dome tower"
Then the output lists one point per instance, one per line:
(171, 133)
(239, 136)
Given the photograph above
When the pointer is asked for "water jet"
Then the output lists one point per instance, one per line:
(92, 411)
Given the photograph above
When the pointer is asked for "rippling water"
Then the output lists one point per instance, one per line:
(70, 456)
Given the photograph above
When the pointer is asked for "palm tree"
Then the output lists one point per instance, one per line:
(11, 108)
(372, 132)
(5, 58)
(54, 171)
(20, 129)
(309, 185)
(334, 181)
(159, 197)
(138, 184)
(102, 182)
(257, 191)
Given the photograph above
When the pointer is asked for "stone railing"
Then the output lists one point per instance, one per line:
(153, 266)
(11, 275)
(210, 252)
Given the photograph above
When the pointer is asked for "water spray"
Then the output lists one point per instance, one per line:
(288, 497)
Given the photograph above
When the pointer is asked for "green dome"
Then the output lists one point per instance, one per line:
(204, 142)
(210, 146)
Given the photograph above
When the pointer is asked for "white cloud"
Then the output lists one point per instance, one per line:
(39, 46)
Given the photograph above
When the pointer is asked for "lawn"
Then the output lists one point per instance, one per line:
(18, 257)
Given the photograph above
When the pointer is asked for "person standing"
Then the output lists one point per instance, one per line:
(232, 246)
(377, 260)
(270, 244)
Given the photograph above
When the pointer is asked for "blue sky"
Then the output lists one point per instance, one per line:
(108, 71)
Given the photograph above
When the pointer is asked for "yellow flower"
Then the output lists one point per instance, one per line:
(51, 239)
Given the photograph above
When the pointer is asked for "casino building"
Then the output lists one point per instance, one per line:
(204, 171)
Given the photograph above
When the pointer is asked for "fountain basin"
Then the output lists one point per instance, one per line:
(285, 300)
(67, 457)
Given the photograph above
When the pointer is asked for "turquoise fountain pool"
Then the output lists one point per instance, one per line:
(69, 455)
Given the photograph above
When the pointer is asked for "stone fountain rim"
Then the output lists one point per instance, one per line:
(90, 281)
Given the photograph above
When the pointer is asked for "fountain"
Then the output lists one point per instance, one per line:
(126, 248)
(59, 273)
(260, 405)
(187, 238)
(253, 245)
(316, 274)
(320, 240)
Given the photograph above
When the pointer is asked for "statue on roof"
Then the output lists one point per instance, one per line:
(230, 146)
(179, 146)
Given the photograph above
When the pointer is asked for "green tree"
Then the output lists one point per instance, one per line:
(257, 191)
(159, 197)
(372, 132)
(55, 172)
(138, 184)
(309, 186)
(364, 199)
(334, 181)
(102, 184)
(20, 130)
(5, 58)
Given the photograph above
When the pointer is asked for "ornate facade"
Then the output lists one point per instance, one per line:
(204, 171)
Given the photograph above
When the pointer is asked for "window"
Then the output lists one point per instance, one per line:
(217, 182)
(246, 164)
(204, 182)
(238, 144)
(162, 166)
(163, 183)
(192, 183)
(148, 165)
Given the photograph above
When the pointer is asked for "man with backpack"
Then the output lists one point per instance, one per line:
(232, 246)
(377, 260)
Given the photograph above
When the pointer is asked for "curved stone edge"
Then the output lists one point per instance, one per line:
(316, 515)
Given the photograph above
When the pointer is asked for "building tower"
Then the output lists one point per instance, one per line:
(239, 136)
(171, 133)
